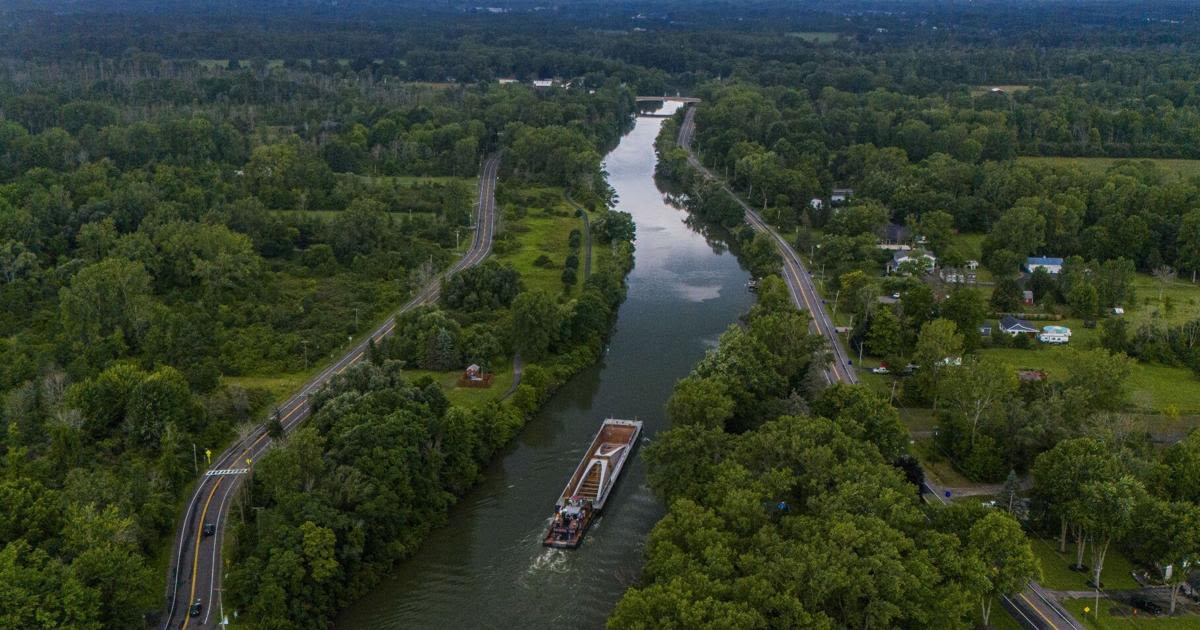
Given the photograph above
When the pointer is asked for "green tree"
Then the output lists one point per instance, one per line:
(319, 549)
(535, 324)
(938, 341)
(1084, 300)
(1009, 563)
(1107, 510)
(966, 308)
(700, 401)
(1060, 473)
(1100, 377)
(886, 336)
(1006, 295)
(977, 388)
(1188, 242)
(109, 300)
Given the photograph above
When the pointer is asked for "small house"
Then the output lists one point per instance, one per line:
(544, 83)
(841, 195)
(1014, 326)
(1052, 265)
(1027, 297)
(907, 260)
(474, 376)
(985, 330)
(972, 265)
(816, 203)
(506, 80)
(1055, 334)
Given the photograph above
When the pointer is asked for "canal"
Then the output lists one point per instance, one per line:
(487, 568)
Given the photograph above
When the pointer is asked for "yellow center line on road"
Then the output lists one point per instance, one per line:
(1037, 611)
(196, 556)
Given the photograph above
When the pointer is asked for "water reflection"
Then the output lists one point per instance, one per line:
(486, 568)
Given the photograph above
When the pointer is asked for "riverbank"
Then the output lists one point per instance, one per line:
(685, 289)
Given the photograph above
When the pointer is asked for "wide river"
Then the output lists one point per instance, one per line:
(487, 567)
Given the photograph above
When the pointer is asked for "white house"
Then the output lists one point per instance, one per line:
(1055, 334)
(505, 80)
(908, 258)
(816, 203)
(841, 195)
(1052, 265)
(543, 83)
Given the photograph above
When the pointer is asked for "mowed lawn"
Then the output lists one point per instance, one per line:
(1172, 167)
(1108, 622)
(1057, 573)
(470, 397)
(1152, 387)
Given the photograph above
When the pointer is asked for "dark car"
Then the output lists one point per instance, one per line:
(209, 529)
(1146, 604)
(195, 609)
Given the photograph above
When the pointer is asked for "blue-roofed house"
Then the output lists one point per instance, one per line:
(1051, 265)
(1014, 326)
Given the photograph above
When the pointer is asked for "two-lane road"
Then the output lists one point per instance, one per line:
(1033, 608)
(799, 281)
(195, 571)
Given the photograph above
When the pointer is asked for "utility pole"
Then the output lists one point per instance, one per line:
(356, 318)
(304, 342)
(195, 460)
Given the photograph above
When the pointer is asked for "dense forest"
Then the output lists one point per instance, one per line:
(196, 199)
(168, 228)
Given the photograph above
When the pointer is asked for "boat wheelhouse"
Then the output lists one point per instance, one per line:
(590, 486)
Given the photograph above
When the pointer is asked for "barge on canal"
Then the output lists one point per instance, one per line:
(593, 481)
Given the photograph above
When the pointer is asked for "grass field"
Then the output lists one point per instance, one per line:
(1056, 572)
(1152, 387)
(543, 232)
(1181, 294)
(816, 37)
(1108, 622)
(1172, 167)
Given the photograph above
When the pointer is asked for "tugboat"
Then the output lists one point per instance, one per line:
(589, 487)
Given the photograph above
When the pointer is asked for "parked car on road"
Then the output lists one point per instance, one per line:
(209, 529)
